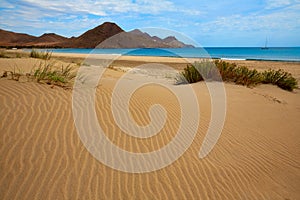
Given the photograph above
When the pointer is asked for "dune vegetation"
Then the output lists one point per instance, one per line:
(44, 72)
(45, 55)
(230, 72)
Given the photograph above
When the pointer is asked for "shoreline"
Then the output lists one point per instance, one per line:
(133, 61)
(167, 58)
(175, 57)
(221, 56)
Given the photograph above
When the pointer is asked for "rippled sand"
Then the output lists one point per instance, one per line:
(42, 156)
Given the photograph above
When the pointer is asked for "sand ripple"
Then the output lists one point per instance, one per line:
(42, 157)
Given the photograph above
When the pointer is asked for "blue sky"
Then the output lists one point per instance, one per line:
(209, 23)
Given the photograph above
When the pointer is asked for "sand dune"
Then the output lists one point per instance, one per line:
(42, 156)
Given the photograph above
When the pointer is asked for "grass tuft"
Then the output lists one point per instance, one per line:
(45, 73)
(280, 78)
(41, 55)
(199, 71)
(230, 72)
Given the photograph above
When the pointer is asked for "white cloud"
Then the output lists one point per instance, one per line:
(104, 8)
(286, 19)
(273, 4)
(34, 21)
(76, 14)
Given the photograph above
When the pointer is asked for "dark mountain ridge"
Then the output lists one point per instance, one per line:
(106, 35)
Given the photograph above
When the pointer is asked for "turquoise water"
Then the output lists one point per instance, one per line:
(235, 53)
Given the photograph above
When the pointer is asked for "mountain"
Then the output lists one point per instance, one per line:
(132, 39)
(139, 39)
(107, 35)
(173, 42)
(11, 39)
(48, 39)
(95, 36)
(8, 38)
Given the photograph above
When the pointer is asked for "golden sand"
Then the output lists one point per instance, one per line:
(42, 156)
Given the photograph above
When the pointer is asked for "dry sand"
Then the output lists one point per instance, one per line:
(42, 156)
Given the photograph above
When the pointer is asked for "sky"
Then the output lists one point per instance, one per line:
(210, 23)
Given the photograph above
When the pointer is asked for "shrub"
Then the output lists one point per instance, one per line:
(39, 54)
(189, 75)
(280, 78)
(230, 72)
(227, 70)
(245, 76)
(208, 70)
(199, 71)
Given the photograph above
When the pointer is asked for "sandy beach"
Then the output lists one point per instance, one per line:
(43, 157)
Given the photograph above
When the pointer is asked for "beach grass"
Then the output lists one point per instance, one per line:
(44, 72)
(280, 78)
(46, 55)
(3, 55)
(12, 54)
(230, 72)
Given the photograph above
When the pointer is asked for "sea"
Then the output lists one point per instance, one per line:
(291, 54)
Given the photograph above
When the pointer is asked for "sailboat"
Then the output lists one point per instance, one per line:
(266, 45)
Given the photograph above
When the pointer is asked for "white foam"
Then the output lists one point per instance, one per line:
(232, 58)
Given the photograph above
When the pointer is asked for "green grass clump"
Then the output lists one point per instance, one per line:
(41, 55)
(47, 73)
(280, 78)
(245, 76)
(199, 71)
(227, 70)
(44, 73)
(190, 75)
(230, 72)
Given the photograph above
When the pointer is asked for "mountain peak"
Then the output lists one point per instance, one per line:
(95, 36)
(108, 25)
(48, 34)
(170, 39)
(137, 31)
(92, 39)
